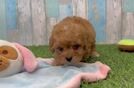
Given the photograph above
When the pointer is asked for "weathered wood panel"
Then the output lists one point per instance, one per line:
(39, 22)
(128, 19)
(30, 22)
(50, 24)
(52, 8)
(25, 22)
(11, 14)
(65, 9)
(114, 21)
(11, 20)
(3, 32)
(52, 15)
(128, 5)
(80, 8)
(97, 16)
(128, 25)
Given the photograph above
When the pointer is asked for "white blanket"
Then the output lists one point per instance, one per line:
(48, 76)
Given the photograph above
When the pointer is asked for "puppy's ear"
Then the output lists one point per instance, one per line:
(51, 44)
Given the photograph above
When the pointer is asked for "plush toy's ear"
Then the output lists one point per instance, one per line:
(30, 62)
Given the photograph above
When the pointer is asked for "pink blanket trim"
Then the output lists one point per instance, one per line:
(75, 82)
(88, 77)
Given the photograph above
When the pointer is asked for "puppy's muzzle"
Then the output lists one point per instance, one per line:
(69, 59)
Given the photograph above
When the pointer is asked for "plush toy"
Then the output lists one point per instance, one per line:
(14, 58)
(126, 45)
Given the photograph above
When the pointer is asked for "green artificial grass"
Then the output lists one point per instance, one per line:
(121, 63)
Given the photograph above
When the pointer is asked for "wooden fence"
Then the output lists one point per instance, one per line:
(30, 22)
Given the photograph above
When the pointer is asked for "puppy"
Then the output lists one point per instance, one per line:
(72, 40)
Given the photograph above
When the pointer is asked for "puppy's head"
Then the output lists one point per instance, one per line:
(68, 42)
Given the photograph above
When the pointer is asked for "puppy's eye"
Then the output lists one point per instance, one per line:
(76, 47)
(60, 49)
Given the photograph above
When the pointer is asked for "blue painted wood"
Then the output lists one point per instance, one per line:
(65, 10)
(11, 14)
(2, 20)
(97, 16)
(128, 5)
(52, 8)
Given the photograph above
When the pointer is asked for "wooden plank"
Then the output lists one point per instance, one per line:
(52, 14)
(39, 22)
(80, 8)
(52, 8)
(128, 19)
(74, 6)
(128, 5)
(3, 32)
(11, 14)
(50, 24)
(65, 9)
(97, 16)
(11, 20)
(128, 25)
(25, 22)
(114, 16)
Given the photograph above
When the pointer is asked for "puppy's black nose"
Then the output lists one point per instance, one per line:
(69, 59)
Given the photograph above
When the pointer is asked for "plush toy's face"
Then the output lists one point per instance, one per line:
(10, 59)
(7, 53)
